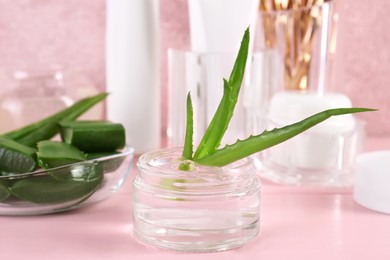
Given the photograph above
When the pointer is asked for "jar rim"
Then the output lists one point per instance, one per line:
(148, 161)
(158, 170)
(165, 162)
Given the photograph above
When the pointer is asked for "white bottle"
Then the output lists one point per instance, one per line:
(218, 25)
(133, 72)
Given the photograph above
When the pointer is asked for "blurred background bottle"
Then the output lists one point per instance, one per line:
(133, 70)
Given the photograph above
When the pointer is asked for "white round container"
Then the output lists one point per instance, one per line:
(372, 181)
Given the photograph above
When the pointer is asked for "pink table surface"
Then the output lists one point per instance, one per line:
(297, 223)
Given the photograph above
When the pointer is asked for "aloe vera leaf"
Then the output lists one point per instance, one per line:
(15, 157)
(108, 165)
(85, 171)
(48, 127)
(188, 145)
(254, 144)
(47, 190)
(93, 136)
(4, 192)
(218, 126)
(54, 154)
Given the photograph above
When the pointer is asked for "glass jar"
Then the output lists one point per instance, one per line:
(205, 209)
(31, 94)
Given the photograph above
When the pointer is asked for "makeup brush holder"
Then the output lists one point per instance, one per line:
(304, 39)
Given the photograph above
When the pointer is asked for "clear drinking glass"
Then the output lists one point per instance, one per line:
(204, 210)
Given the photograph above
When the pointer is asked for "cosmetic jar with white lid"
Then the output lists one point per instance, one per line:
(324, 155)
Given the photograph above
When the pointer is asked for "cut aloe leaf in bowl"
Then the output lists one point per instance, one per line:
(109, 161)
(16, 157)
(4, 192)
(39, 175)
(48, 190)
(63, 183)
(94, 136)
(53, 154)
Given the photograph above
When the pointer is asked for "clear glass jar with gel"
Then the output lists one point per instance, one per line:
(324, 155)
(206, 209)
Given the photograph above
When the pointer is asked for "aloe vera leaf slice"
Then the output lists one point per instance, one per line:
(108, 165)
(15, 157)
(48, 127)
(94, 136)
(47, 190)
(218, 125)
(254, 144)
(4, 192)
(84, 171)
(54, 154)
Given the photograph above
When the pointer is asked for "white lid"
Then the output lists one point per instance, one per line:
(372, 181)
(288, 107)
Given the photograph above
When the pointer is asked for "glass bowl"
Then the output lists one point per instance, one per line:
(64, 188)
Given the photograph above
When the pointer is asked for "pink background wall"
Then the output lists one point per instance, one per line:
(38, 32)
(362, 68)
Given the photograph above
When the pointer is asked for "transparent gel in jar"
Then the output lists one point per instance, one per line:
(204, 210)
